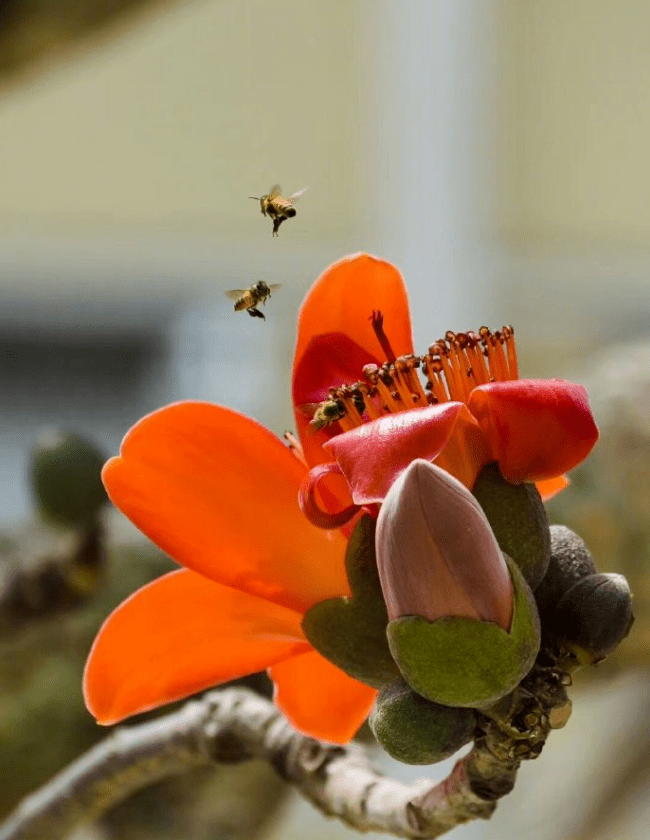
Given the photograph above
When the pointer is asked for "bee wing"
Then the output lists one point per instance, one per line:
(308, 409)
(275, 286)
(297, 195)
(274, 192)
(234, 294)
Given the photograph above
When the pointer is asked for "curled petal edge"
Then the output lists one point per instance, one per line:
(309, 504)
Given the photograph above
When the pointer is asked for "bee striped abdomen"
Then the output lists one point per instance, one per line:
(244, 302)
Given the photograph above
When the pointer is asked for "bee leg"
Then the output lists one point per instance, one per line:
(255, 313)
(276, 226)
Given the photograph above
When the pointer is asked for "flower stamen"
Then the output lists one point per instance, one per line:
(453, 367)
(479, 367)
(295, 447)
(511, 350)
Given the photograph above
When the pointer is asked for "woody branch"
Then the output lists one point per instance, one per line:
(232, 725)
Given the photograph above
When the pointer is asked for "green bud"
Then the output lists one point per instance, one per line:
(459, 661)
(66, 479)
(517, 517)
(416, 731)
(351, 632)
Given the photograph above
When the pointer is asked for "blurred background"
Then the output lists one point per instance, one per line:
(495, 150)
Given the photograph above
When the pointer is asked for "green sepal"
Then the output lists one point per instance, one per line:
(416, 731)
(461, 661)
(351, 631)
(517, 516)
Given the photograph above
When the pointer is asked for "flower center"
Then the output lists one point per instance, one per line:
(452, 368)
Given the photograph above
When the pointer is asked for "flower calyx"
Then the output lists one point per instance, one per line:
(351, 631)
(518, 520)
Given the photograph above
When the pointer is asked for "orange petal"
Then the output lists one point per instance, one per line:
(179, 635)
(343, 299)
(336, 338)
(320, 699)
(219, 493)
(329, 360)
(552, 486)
(537, 428)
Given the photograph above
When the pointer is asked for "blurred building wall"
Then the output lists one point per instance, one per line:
(574, 172)
(173, 122)
(576, 123)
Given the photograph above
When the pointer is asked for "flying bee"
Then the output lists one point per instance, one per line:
(324, 413)
(276, 207)
(249, 299)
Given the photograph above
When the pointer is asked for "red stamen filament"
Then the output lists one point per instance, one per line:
(295, 447)
(453, 367)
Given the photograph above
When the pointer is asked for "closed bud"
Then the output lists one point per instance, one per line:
(571, 561)
(416, 731)
(594, 616)
(463, 626)
(436, 553)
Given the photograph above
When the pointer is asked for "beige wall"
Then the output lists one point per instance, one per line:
(575, 123)
(172, 125)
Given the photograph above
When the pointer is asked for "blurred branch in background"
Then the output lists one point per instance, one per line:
(55, 561)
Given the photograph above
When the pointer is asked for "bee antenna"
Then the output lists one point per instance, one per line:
(254, 197)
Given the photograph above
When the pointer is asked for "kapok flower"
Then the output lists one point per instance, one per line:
(218, 493)
(374, 414)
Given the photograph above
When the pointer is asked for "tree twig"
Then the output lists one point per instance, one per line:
(233, 725)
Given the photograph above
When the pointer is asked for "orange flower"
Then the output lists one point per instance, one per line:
(219, 493)
(469, 409)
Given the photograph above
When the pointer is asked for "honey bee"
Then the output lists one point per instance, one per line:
(276, 207)
(249, 299)
(324, 413)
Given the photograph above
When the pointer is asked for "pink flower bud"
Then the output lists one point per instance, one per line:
(436, 553)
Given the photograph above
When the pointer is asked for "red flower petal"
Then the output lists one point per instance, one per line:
(179, 635)
(308, 500)
(537, 428)
(335, 336)
(329, 360)
(219, 494)
(373, 455)
(319, 698)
